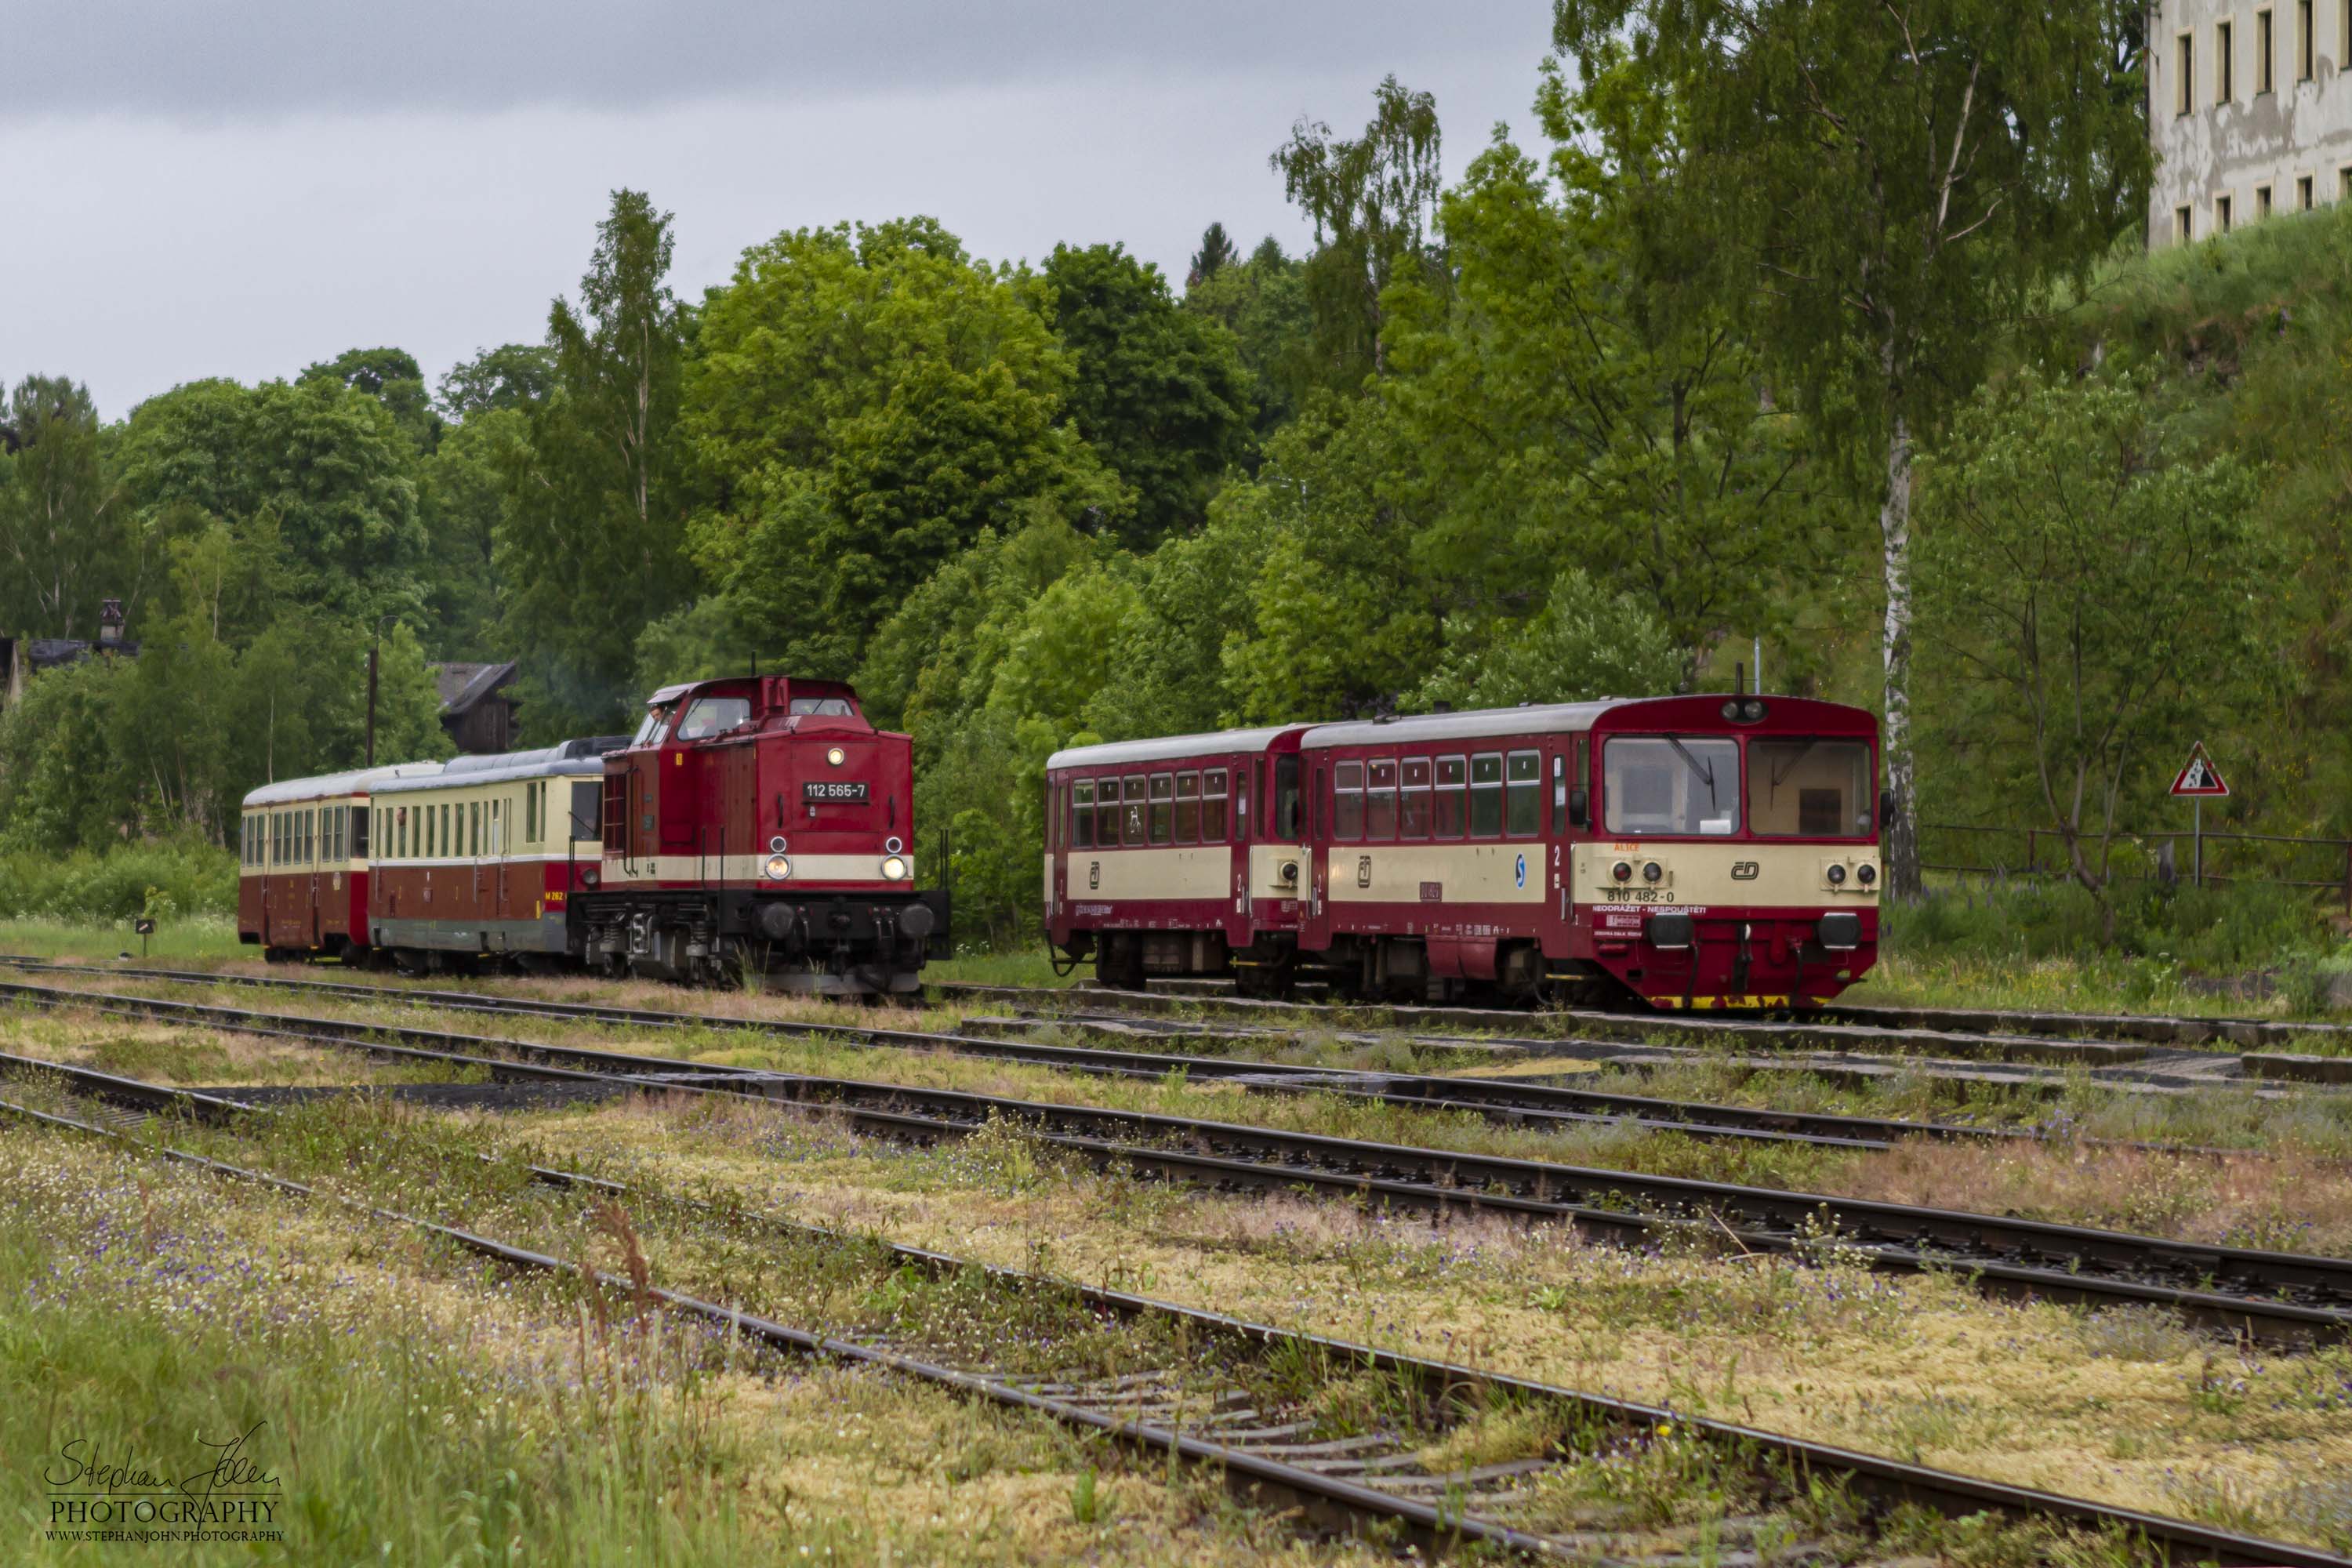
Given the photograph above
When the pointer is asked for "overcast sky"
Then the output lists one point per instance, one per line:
(239, 187)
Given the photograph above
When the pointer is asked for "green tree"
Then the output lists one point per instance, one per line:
(590, 545)
(1373, 202)
(59, 787)
(1895, 182)
(863, 403)
(465, 489)
(1263, 303)
(2095, 597)
(1160, 393)
(517, 376)
(61, 520)
(1584, 643)
(1216, 253)
(320, 475)
(393, 378)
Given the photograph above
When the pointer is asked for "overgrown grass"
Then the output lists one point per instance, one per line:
(164, 879)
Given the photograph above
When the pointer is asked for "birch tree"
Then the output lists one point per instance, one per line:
(1901, 179)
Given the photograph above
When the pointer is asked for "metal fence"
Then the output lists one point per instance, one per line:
(2281, 859)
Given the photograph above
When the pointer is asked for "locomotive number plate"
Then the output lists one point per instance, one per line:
(829, 789)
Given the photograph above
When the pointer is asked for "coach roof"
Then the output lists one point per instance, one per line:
(570, 758)
(359, 781)
(1170, 748)
(1477, 724)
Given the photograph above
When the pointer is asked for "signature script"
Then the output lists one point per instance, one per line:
(81, 1463)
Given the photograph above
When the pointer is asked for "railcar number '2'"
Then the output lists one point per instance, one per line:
(1693, 851)
(749, 827)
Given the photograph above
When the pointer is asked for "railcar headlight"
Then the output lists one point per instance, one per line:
(894, 868)
(1623, 871)
(1652, 871)
(1752, 710)
(1836, 874)
(779, 867)
(837, 756)
(1731, 711)
(1865, 873)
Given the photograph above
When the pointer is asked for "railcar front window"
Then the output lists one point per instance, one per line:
(1664, 785)
(1810, 789)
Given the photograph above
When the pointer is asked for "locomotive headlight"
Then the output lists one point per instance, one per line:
(1652, 871)
(1865, 873)
(837, 756)
(1623, 871)
(1836, 875)
(894, 868)
(1731, 712)
(1752, 710)
(779, 867)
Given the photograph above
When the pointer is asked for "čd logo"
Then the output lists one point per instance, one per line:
(1745, 870)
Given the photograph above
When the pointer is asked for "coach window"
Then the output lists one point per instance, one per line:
(1082, 814)
(1658, 784)
(1212, 806)
(1347, 800)
(1106, 813)
(1809, 789)
(474, 827)
(1523, 798)
(361, 820)
(1486, 795)
(530, 814)
(451, 836)
(1162, 797)
(1450, 812)
(1188, 808)
(1286, 799)
(1130, 830)
(1381, 799)
(1413, 807)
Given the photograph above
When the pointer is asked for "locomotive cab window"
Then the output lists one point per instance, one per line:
(819, 707)
(709, 716)
(1658, 784)
(1810, 789)
(650, 731)
(1082, 814)
(1188, 808)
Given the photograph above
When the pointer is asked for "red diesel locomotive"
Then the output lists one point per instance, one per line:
(758, 825)
(1692, 851)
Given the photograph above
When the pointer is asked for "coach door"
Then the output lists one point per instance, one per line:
(1315, 927)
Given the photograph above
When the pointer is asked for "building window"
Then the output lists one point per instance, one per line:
(2262, 202)
(2220, 215)
(2181, 227)
(2224, 63)
(2265, 53)
(2344, 175)
(2184, 69)
(2303, 40)
(2302, 193)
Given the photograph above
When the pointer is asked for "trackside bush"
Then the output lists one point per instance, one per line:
(199, 879)
(2211, 928)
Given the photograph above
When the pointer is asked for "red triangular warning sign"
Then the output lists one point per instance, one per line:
(2199, 777)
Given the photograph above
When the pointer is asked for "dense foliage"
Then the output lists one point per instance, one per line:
(1594, 418)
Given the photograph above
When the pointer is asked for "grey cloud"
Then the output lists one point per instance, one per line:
(258, 59)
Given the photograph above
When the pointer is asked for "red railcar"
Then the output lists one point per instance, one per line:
(1696, 851)
(1178, 856)
(302, 879)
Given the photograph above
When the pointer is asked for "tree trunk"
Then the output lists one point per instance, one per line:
(1901, 828)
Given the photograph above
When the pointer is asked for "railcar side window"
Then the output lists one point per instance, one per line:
(1656, 785)
(1106, 814)
(1188, 808)
(1413, 805)
(1131, 826)
(362, 818)
(1347, 800)
(1212, 806)
(1380, 800)
(1082, 815)
(1810, 789)
(1523, 802)
(1486, 795)
(1452, 808)
(447, 839)
(1162, 786)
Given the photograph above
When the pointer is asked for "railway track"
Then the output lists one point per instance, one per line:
(1268, 1450)
(1503, 1100)
(2273, 1298)
(1969, 1036)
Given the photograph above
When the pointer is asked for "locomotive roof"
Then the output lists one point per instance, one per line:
(569, 758)
(1548, 718)
(1112, 753)
(355, 781)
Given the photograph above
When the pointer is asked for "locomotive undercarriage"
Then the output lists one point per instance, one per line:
(831, 945)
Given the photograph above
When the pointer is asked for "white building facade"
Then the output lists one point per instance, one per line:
(2251, 111)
